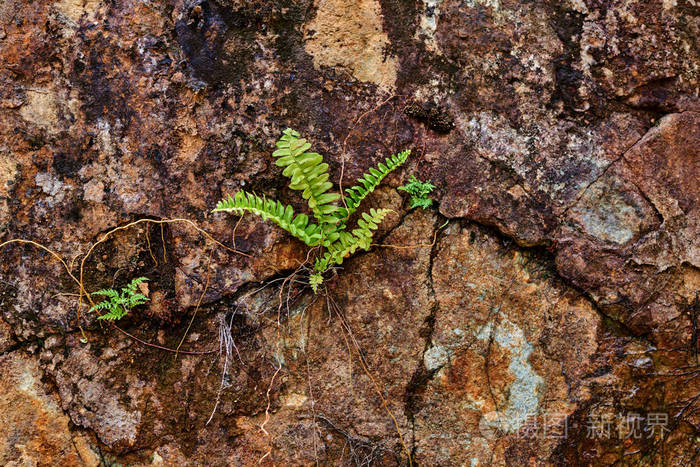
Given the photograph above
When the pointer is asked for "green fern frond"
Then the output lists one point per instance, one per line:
(367, 225)
(275, 211)
(137, 299)
(103, 305)
(419, 192)
(119, 304)
(135, 282)
(369, 181)
(308, 173)
(114, 314)
(347, 243)
(315, 280)
(107, 292)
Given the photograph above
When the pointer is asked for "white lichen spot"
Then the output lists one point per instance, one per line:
(53, 187)
(606, 215)
(104, 137)
(156, 459)
(496, 140)
(579, 5)
(495, 4)
(101, 409)
(294, 399)
(435, 357)
(27, 382)
(593, 38)
(94, 191)
(428, 24)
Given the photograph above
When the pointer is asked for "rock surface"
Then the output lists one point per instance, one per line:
(545, 311)
(33, 427)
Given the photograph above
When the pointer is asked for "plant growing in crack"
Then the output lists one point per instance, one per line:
(419, 192)
(119, 304)
(309, 174)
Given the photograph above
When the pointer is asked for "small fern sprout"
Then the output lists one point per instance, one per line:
(315, 280)
(419, 192)
(309, 174)
(119, 304)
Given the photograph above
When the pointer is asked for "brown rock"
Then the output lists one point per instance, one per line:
(507, 354)
(566, 128)
(349, 34)
(33, 429)
(665, 165)
(6, 340)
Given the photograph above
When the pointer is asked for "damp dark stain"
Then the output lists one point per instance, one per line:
(435, 117)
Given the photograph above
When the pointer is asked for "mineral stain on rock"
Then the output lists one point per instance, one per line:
(203, 33)
(33, 427)
(349, 34)
(607, 215)
(524, 391)
(505, 363)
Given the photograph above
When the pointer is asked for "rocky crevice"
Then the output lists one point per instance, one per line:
(422, 375)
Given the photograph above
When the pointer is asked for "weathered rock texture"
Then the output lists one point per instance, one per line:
(563, 137)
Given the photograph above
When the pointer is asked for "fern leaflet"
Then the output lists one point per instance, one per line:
(308, 174)
(119, 304)
(275, 211)
(419, 192)
(347, 243)
(369, 181)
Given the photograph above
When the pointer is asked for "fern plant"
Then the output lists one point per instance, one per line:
(119, 304)
(419, 192)
(309, 174)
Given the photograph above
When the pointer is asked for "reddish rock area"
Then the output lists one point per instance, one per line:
(544, 311)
